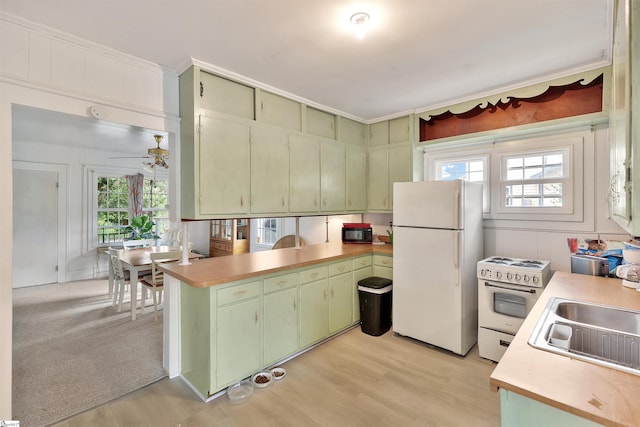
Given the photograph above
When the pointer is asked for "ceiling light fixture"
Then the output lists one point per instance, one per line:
(359, 21)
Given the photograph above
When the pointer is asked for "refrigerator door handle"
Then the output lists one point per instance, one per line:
(456, 256)
(457, 208)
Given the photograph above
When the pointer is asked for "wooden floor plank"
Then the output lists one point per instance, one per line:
(352, 380)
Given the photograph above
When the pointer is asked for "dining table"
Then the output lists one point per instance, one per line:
(138, 261)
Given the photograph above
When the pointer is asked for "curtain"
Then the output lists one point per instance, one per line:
(134, 185)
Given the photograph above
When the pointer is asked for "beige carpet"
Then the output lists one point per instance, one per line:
(72, 351)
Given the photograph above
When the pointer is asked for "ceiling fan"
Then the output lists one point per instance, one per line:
(158, 156)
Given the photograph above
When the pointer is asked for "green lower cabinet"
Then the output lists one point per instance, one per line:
(340, 302)
(359, 274)
(314, 312)
(237, 341)
(519, 411)
(280, 325)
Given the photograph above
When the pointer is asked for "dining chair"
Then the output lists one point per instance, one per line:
(155, 280)
(119, 278)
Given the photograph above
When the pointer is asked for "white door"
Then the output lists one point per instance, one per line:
(35, 227)
(427, 295)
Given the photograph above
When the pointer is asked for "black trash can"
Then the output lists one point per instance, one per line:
(375, 305)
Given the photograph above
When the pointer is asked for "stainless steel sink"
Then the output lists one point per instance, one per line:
(600, 334)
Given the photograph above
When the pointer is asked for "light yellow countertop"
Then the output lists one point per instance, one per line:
(606, 396)
(217, 270)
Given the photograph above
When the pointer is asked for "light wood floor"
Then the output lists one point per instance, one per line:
(353, 380)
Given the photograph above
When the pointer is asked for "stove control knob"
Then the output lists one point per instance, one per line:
(483, 272)
(535, 279)
(525, 278)
(498, 275)
(518, 277)
(509, 276)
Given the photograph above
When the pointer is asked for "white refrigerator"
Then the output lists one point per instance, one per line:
(437, 242)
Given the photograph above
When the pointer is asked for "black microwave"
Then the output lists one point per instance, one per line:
(357, 233)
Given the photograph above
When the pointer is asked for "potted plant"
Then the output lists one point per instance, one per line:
(141, 228)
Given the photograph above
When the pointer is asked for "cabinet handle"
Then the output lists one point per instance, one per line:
(281, 283)
(315, 201)
(201, 89)
(324, 294)
(295, 305)
(283, 201)
(241, 201)
(314, 275)
(341, 268)
(332, 294)
(256, 317)
(324, 202)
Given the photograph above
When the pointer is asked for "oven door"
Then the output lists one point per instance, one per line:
(503, 306)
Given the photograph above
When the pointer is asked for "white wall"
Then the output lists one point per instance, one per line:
(45, 71)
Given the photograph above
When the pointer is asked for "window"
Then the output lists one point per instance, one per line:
(112, 210)
(268, 231)
(536, 181)
(469, 169)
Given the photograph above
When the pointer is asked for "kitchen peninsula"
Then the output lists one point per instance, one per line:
(246, 312)
(542, 388)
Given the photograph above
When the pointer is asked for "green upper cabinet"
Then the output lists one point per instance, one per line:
(226, 96)
(400, 130)
(332, 176)
(351, 132)
(390, 160)
(379, 134)
(222, 175)
(279, 111)
(304, 181)
(356, 179)
(269, 171)
(321, 123)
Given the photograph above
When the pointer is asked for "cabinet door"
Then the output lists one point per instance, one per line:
(332, 177)
(237, 341)
(223, 160)
(359, 274)
(379, 134)
(269, 171)
(399, 130)
(280, 325)
(280, 111)
(400, 168)
(378, 181)
(226, 96)
(304, 181)
(356, 191)
(314, 312)
(321, 123)
(351, 132)
(340, 302)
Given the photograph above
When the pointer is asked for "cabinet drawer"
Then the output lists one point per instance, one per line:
(339, 268)
(238, 293)
(362, 262)
(280, 282)
(222, 246)
(313, 274)
(383, 261)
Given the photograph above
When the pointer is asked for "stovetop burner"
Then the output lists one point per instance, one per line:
(527, 272)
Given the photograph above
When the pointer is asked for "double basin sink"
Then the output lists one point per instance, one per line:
(600, 334)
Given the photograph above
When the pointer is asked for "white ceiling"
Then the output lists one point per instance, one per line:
(417, 54)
